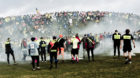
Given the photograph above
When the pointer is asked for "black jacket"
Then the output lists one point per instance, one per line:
(42, 46)
(54, 47)
(8, 48)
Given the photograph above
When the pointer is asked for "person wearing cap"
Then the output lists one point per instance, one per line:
(53, 47)
(42, 49)
(33, 52)
(116, 37)
(62, 45)
(9, 50)
(126, 41)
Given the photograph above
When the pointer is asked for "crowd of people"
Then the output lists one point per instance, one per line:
(21, 28)
(57, 47)
(62, 22)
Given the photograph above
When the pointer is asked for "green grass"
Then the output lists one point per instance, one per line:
(103, 67)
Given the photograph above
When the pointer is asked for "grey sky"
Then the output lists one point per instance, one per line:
(20, 7)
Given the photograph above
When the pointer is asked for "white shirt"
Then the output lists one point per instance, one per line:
(33, 46)
(75, 42)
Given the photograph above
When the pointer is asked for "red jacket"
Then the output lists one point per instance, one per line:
(79, 42)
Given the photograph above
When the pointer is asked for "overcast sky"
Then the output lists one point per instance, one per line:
(20, 7)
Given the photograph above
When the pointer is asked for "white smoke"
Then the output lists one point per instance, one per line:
(109, 26)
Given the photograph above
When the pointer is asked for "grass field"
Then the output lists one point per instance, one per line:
(103, 67)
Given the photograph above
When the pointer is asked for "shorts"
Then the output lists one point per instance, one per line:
(10, 52)
(74, 51)
(127, 48)
(62, 51)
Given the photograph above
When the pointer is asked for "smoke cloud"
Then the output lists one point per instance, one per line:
(108, 27)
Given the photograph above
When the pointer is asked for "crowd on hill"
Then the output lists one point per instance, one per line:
(62, 23)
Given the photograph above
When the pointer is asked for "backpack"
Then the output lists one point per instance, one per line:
(91, 42)
(24, 44)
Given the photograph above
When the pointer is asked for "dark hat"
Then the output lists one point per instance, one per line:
(127, 31)
(41, 37)
(8, 39)
(85, 34)
(88, 35)
(54, 37)
(116, 30)
(33, 39)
